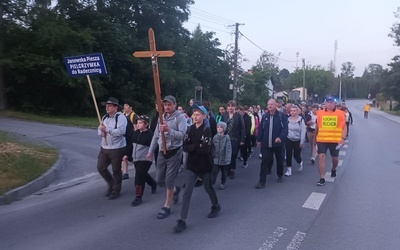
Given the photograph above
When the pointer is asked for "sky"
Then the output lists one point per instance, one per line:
(309, 27)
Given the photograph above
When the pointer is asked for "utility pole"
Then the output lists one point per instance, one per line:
(304, 79)
(235, 62)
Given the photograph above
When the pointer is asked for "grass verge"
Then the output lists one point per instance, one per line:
(21, 163)
(86, 122)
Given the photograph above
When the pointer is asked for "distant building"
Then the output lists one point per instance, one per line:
(301, 90)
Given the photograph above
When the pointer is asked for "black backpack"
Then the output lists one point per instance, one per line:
(128, 130)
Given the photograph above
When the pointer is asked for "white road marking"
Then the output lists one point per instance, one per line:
(273, 239)
(314, 201)
(343, 153)
(340, 163)
(296, 241)
(345, 146)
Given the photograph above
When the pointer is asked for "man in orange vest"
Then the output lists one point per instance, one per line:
(330, 133)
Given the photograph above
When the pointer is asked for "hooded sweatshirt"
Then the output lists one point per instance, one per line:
(297, 130)
(174, 137)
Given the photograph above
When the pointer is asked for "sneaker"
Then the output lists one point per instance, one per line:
(300, 167)
(333, 173)
(288, 172)
(321, 182)
(164, 213)
(136, 202)
(260, 156)
(113, 195)
(312, 161)
(240, 158)
(180, 226)
(222, 186)
(125, 176)
(280, 180)
(245, 165)
(214, 211)
(260, 185)
(176, 194)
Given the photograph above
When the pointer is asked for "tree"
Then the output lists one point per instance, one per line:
(347, 70)
(318, 81)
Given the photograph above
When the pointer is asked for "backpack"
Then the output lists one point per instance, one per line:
(128, 129)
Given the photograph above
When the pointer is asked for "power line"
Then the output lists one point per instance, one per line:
(211, 27)
(211, 14)
(208, 20)
(217, 19)
(278, 58)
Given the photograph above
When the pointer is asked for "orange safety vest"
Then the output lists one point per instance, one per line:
(330, 125)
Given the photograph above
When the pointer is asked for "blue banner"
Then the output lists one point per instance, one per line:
(83, 65)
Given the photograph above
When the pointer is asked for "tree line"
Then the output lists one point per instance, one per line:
(35, 36)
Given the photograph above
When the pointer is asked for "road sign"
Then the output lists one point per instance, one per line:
(83, 65)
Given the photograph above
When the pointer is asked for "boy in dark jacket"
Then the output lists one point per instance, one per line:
(197, 144)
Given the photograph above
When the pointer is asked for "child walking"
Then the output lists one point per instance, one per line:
(197, 144)
(222, 156)
(141, 139)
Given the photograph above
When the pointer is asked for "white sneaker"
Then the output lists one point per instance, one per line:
(260, 156)
(288, 172)
(300, 166)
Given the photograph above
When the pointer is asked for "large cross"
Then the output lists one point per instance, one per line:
(154, 54)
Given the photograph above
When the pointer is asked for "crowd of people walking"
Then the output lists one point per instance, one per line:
(206, 145)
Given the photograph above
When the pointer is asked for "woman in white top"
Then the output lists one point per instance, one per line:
(295, 139)
(311, 132)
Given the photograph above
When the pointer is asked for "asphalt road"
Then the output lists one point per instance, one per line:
(358, 210)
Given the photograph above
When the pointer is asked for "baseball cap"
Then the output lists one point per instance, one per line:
(169, 98)
(195, 106)
(144, 118)
(330, 98)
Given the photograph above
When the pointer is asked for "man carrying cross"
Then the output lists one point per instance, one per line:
(174, 127)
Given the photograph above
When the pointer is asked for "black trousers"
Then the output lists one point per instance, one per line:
(216, 169)
(292, 147)
(268, 160)
(142, 177)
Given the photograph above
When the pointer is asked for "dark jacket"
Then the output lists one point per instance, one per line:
(247, 125)
(197, 144)
(280, 129)
(237, 133)
(141, 143)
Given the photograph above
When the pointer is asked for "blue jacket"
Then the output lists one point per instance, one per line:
(280, 129)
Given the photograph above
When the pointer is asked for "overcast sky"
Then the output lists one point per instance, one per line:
(310, 27)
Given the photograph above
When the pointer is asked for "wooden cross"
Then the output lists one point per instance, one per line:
(154, 54)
